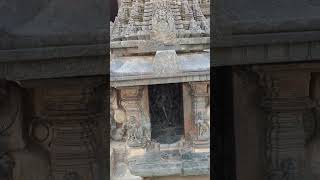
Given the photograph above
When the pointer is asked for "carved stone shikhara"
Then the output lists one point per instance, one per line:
(162, 21)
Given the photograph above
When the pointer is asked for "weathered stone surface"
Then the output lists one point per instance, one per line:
(123, 68)
(166, 62)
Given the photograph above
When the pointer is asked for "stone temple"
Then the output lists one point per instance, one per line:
(160, 90)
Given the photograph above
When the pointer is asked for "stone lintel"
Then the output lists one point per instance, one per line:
(149, 80)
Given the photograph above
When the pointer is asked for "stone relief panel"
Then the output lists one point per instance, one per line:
(201, 114)
(163, 23)
(137, 126)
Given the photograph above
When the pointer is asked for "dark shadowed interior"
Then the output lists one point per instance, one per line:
(166, 112)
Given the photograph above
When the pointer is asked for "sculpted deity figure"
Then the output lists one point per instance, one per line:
(134, 132)
(163, 24)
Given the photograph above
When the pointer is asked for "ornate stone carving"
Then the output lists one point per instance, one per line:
(200, 106)
(286, 103)
(163, 23)
(138, 124)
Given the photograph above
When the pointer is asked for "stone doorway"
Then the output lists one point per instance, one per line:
(166, 113)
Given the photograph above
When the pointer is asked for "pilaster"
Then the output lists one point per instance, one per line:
(137, 120)
(200, 109)
(286, 102)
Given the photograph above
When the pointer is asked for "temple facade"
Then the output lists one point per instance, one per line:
(160, 90)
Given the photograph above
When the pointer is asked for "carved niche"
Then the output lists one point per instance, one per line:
(137, 123)
(201, 106)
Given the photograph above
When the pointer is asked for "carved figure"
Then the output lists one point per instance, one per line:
(135, 133)
(163, 24)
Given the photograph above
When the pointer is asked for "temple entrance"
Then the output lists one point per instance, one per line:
(166, 112)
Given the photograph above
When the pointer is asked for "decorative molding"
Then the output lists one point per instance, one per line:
(267, 53)
(149, 80)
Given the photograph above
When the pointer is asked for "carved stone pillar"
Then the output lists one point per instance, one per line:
(201, 117)
(286, 102)
(137, 119)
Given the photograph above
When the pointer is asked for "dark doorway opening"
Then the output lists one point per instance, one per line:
(166, 112)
